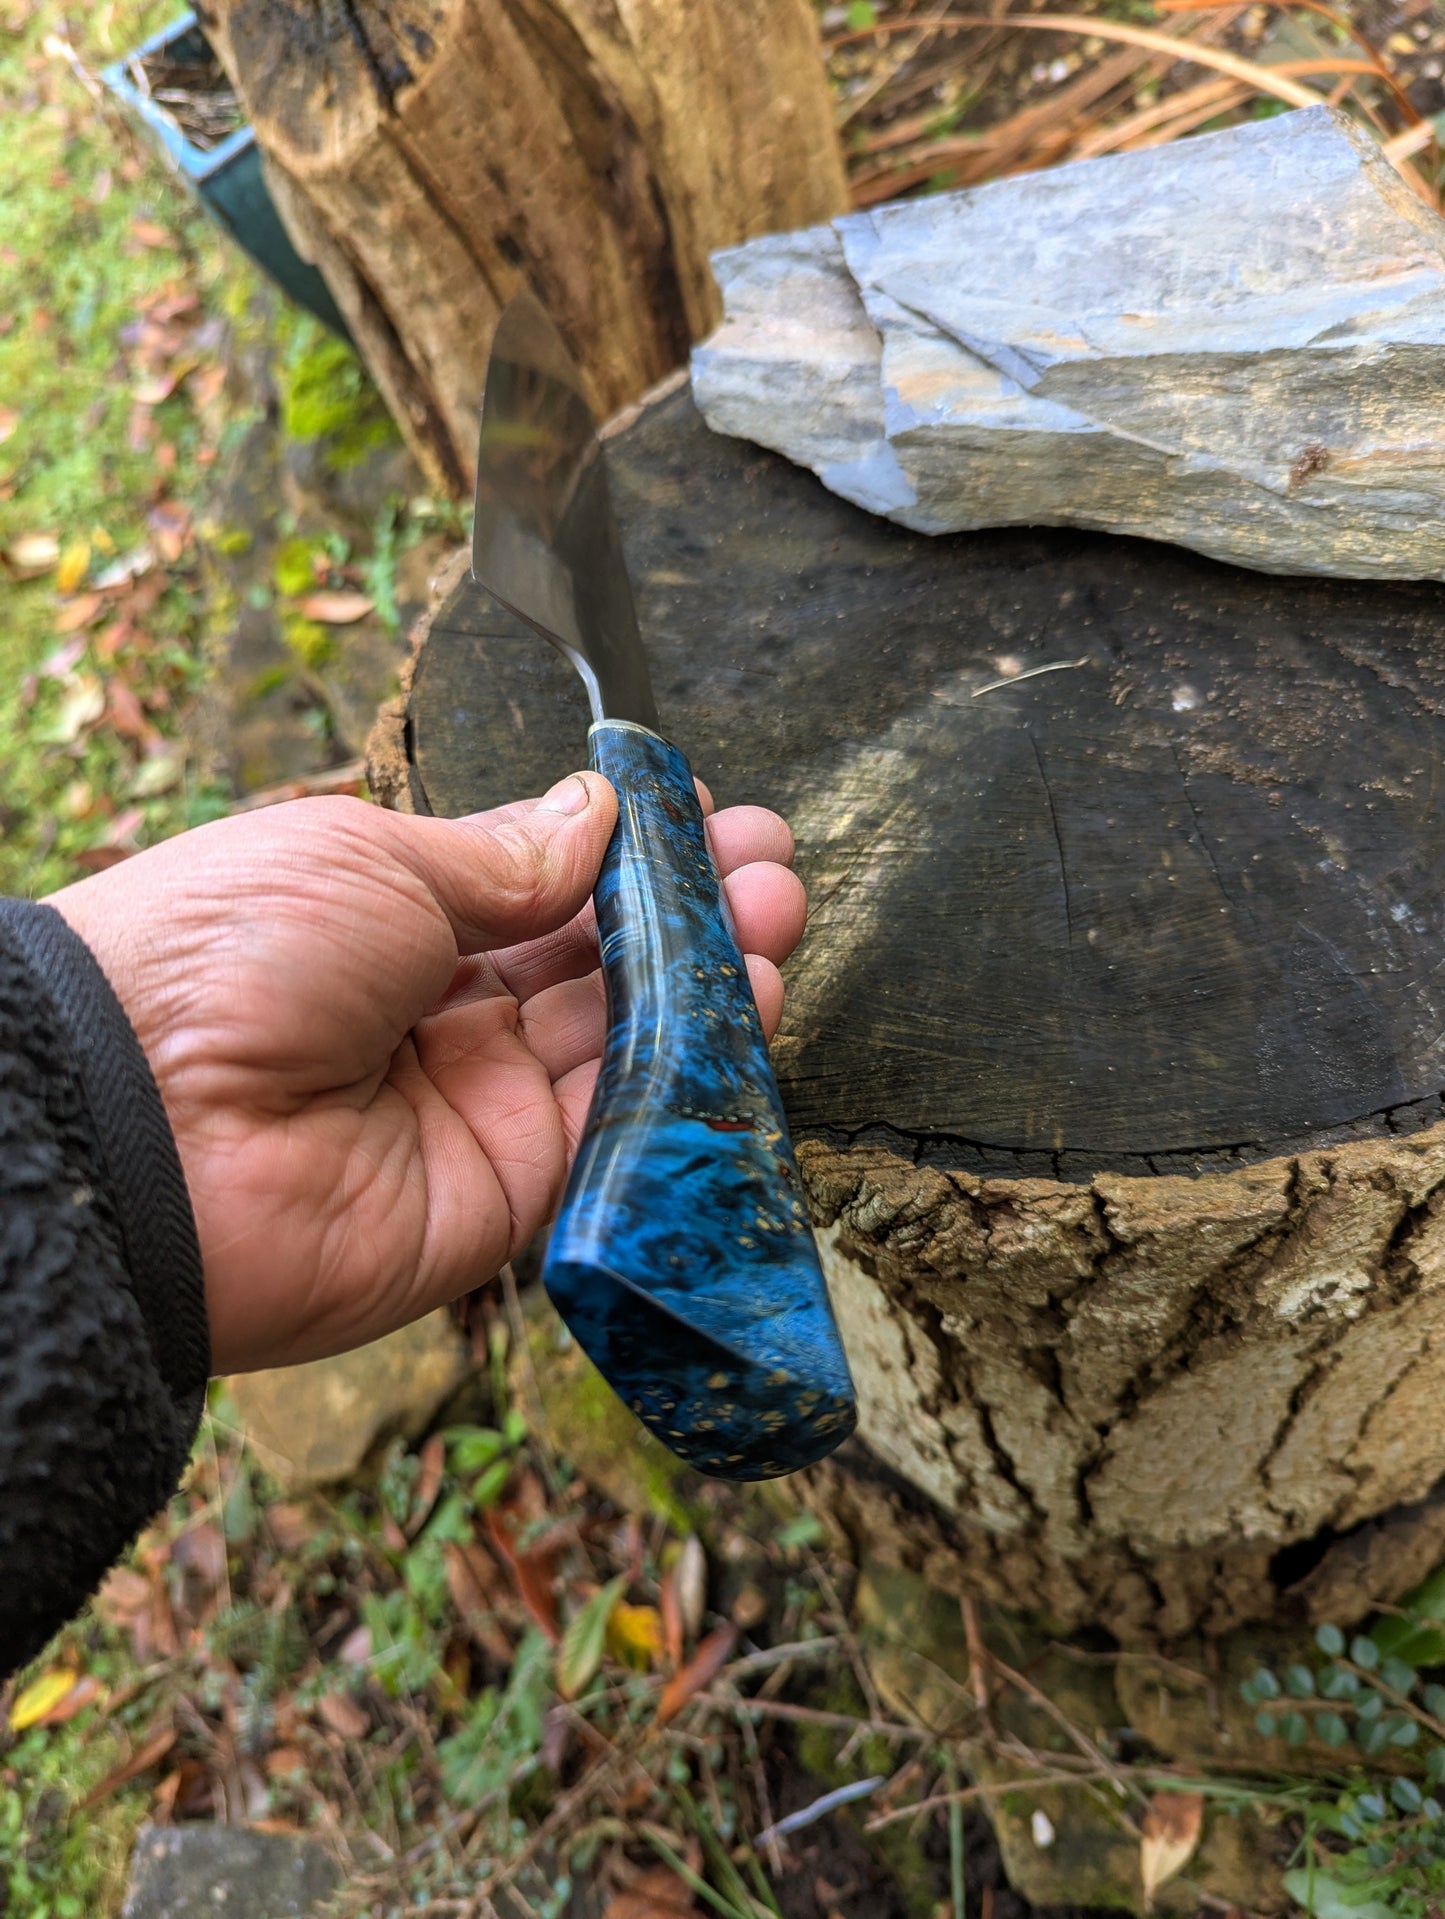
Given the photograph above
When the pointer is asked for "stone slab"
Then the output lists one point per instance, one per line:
(1235, 343)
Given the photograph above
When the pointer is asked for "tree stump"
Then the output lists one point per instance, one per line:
(1115, 1047)
(432, 155)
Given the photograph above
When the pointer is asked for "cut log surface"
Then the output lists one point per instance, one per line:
(1116, 1044)
(433, 155)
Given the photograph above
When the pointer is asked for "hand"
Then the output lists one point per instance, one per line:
(376, 1038)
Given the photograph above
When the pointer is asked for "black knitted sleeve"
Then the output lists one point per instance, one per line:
(104, 1350)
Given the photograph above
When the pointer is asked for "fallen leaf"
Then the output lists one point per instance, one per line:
(291, 1526)
(59, 663)
(35, 553)
(141, 1760)
(80, 708)
(355, 1649)
(473, 1577)
(159, 772)
(1170, 1832)
(657, 1893)
(126, 715)
(635, 1635)
(531, 1572)
(9, 420)
(581, 1650)
(336, 608)
(79, 613)
(342, 1715)
(671, 1617)
(704, 1666)
(73, 564)
(149, 234)
(128, 567)
(85, 1692)
(692, 1584)
(284, 1759)
(433, 1459)
(123, 1594)
(42, 1696)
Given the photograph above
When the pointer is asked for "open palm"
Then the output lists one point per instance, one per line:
(376, 1038)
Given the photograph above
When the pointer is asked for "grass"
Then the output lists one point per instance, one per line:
(97, 237)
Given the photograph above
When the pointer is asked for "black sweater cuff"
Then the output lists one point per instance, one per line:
(104, 1349)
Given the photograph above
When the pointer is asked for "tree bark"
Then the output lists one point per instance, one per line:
(434, 155)
(1113, 1050)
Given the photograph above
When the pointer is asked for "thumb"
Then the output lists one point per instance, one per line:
(517, 872)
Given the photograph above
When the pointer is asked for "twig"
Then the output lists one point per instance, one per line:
(810, 1716)
(1123, 1785)
(979, 1661)
(1012, 679)
(820, 1808)
(966, 1794)
(306, 786)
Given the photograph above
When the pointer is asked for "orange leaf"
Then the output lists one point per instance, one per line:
(531, 1573)
(671, 1618)
(284, 1759)
(149, 234)
(336, 609)
(1168, 1837)
(704, 1666)
(657, 1893)
(341, 1715)
(78, 613)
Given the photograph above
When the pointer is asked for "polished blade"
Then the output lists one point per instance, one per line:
(544, 539)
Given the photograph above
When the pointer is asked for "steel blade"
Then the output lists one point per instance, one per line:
(544, 539)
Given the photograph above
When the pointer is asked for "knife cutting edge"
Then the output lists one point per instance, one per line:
(681, 1257)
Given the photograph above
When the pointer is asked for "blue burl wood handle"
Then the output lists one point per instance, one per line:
(682, 1258)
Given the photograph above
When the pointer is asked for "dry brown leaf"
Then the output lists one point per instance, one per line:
(343, 1716)
(433, 1458)
(657, 1893)
(291, 1526)
(152, 1749)
(283, 1759)
(336, 608)
(671, 1618)
(9, 420)
(1170, 1833)
(126, 715)
(86, 1692)
(79, 613)
(149, 234)
(704, 1666)
(531, 1572)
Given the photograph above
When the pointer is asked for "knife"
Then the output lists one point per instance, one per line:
(681, 1257)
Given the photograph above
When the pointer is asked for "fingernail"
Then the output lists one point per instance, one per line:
(571, 795)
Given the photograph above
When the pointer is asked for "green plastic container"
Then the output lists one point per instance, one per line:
(227, 178)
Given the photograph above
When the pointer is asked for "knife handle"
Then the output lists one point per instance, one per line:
(682, 1258)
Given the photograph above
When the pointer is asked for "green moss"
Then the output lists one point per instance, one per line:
(232, 541)
(914, 1874)
(313, 644)
(327, 394)
(294, 570)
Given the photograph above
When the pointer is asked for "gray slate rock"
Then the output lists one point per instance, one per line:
(225, 1872)
(1236, 343)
